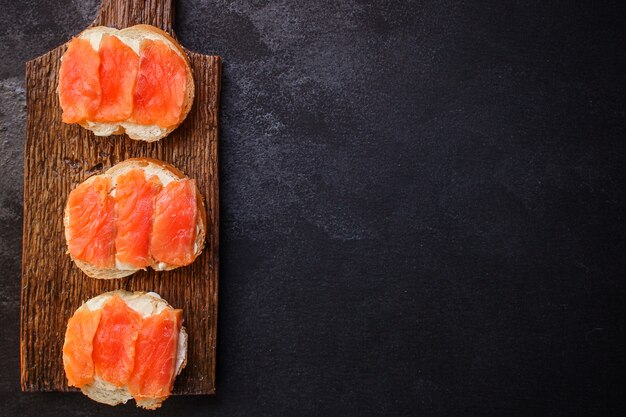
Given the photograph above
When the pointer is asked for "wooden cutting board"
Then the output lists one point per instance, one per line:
(57, 157)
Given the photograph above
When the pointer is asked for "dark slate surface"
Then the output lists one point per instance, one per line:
(423, 206)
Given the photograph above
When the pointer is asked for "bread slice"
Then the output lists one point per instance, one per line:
(166, 173)
(146, 304)
(132, 37)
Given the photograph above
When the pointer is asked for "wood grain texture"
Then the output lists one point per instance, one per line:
(57, 157)
(125, 13)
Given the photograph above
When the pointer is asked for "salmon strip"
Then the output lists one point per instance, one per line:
(92, 223)
(134, 198)
(174, 228)
(78, 347)
(161, 85)
(79, 82)
(114, 343)
(119, 65)
(155, 356)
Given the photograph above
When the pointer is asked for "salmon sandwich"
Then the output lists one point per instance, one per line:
(141, 212)
(122, 345)
(136, 81)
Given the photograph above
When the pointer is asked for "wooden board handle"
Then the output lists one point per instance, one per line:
(125, 13)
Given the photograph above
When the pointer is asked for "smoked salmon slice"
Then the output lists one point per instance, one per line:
(119, 65)
(114, 343)
(79, 82)
(121, 345)
(91, 228)
(161, 85)
(155, 356)
(173, 231)
(78, 347)
(135, 198)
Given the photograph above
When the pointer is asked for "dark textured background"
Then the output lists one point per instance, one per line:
(423, 206)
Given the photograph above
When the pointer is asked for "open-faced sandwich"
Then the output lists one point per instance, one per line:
(122, 345)
(136, 80)
(139, 213)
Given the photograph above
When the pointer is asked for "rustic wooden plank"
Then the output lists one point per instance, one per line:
(124, 13)
(57, 157)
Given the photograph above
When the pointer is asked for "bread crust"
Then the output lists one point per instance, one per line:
(152, 166)
(106, 393)
(150, 133)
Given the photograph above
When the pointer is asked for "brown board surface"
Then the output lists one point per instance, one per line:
(57, 157)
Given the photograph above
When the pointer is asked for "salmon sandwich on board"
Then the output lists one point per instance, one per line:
(122, 345)
(136, 81)
(141, 212)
